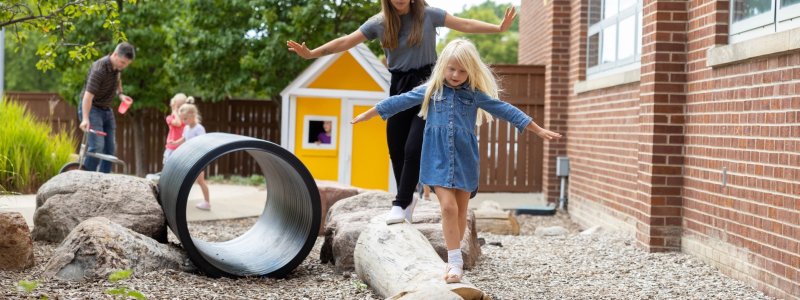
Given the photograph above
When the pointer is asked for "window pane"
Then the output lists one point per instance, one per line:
(595, 11)
(743, 9)
(785, 3)
(593, 51)
(627, 37)
(609, 44)
(610, 8)
(623, 4)
(639, 38)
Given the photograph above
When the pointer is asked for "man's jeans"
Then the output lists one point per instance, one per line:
(100, 119)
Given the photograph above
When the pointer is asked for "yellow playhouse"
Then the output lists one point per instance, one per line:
(315, 119)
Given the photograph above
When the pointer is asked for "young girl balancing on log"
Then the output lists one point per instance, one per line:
(461, 93)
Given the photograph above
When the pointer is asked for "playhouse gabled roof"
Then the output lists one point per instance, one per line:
(361, 53)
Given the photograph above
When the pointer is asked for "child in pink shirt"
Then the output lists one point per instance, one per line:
(175, 124)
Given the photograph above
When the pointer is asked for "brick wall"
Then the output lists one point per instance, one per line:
(742, 117)
(533, 33)
(647, 157)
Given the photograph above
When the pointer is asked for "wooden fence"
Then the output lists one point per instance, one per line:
(510, 162)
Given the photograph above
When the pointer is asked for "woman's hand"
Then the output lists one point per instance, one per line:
(508, 19)
(300, 49)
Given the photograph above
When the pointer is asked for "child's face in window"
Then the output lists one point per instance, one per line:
(326, 126)
(454, 73)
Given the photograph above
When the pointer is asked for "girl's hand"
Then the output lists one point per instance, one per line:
(541, 132)
(511, 14)
(361, 118)
(548, 135)
(300, 49)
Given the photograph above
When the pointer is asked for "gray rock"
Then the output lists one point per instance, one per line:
(16, 246)
(349, 217)
(550, 231)
(331, 192)
(72, 197)
(98, 247)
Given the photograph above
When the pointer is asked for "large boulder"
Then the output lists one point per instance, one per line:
(16, 246)
(97, 247)
(349, 217)
(72, 197)
(331, 192)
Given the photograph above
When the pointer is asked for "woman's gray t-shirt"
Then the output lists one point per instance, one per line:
(404, 58)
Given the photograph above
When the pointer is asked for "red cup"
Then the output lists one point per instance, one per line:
(124, 104)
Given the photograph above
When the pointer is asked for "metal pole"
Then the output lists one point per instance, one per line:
(2, 61)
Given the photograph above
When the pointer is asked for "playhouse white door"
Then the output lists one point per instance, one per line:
(368, 160)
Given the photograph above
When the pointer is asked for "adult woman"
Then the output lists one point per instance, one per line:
(407, 31)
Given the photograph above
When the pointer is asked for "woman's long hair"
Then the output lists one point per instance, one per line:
(392, 24)
(479, 76)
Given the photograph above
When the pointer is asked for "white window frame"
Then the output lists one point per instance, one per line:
(617, 65)
(776, 20)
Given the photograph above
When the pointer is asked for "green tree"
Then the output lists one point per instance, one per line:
(494, 48)
(20, 66)
(238, 47)
(56, 19)
(148, 25)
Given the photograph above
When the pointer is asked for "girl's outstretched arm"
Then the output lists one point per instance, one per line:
(335, 46)
(475, 26)
(392, 105)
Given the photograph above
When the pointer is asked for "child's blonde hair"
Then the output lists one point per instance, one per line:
(175, 99)
(479, 76)
(190, 108)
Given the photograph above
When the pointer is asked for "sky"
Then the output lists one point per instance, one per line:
(456, 6)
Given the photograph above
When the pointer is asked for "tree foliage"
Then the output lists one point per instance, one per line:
(208, 48)
(57, 19)
(494, 48)
(238, 47)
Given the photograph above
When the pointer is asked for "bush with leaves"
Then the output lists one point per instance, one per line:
(30, 153)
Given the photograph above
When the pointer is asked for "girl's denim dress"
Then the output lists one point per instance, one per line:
(450, 146)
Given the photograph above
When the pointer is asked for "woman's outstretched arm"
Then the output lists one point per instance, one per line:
(335, 46)
(475, 26)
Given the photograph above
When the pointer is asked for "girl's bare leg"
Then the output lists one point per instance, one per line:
(201, 181)
(462, 198)
(449, 209)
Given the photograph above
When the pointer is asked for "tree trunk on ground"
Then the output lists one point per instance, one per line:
(138, 144)
(349, 217)
(398, 262)
(489, 217)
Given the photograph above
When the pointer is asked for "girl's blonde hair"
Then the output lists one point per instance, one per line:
(190, 108)
(392, 24)
(176, 98)
(479, 76)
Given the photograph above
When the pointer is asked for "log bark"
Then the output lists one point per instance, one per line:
(489, 217)
(398, 262)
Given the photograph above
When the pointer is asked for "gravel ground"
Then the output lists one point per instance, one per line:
(603, 265)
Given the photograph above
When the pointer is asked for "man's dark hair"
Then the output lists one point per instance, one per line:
(126, 50)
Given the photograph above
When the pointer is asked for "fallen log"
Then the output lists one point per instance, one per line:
(398, 262)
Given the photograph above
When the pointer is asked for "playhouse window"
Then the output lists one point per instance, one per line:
(754, 18)
(614, 41)
(319, 132)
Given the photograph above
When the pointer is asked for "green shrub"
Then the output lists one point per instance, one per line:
(29, 152)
